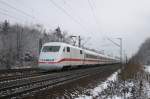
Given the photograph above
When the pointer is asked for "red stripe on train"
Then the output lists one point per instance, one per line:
(68, 59)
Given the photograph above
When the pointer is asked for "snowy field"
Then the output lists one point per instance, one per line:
(115, 88)
(95, 92)
(147, 68)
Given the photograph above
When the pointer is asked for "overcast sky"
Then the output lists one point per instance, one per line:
(95, 19)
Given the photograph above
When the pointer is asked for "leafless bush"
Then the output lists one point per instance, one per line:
(130, 70)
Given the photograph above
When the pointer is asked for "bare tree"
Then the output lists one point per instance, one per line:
(22, 43)
(143, 54)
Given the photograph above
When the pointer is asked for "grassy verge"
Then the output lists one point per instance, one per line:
(130, 71)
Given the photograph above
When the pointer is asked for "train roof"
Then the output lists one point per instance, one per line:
(62, 44)
(86, 50)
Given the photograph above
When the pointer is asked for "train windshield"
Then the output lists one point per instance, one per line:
(50, 48)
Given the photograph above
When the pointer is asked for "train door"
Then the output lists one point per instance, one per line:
(68, 56)
(82, 57)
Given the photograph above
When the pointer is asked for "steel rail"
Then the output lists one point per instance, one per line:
(26, 84)
(16, 72)
(11, 78)
(30, 85)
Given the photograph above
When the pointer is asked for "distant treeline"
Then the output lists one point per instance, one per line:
(143, 54)
(19, 44)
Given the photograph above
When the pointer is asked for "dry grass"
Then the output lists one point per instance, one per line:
(130, 70)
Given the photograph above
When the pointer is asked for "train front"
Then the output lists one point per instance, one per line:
(49, 57)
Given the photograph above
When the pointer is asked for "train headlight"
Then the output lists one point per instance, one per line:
(47, 59)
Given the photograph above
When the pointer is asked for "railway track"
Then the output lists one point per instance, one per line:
(7, 75)
(22, 87)
(13, 78)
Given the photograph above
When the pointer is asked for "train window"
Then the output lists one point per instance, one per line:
(68, 49)
(90, 56)
(50, 48)
(81, 52)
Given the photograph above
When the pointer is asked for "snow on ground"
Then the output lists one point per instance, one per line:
(132, 85)
(147, 83)
(147, 68)
(104, 85)
(147, 89)
(94, 92)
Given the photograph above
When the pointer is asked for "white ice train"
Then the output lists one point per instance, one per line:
(58, 55)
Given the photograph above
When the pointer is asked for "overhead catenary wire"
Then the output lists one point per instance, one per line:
(18, 10)
(36, 19)
(113, 42)
(92, 8)
(70, 8)
(3, 13)
(23, 4)
(80, 19)
(6, 12)
(93, 13)
(52, 1)
(94, 5)
(68, 14)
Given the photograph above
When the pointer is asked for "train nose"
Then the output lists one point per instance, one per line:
(49, 66)
(48, 61)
